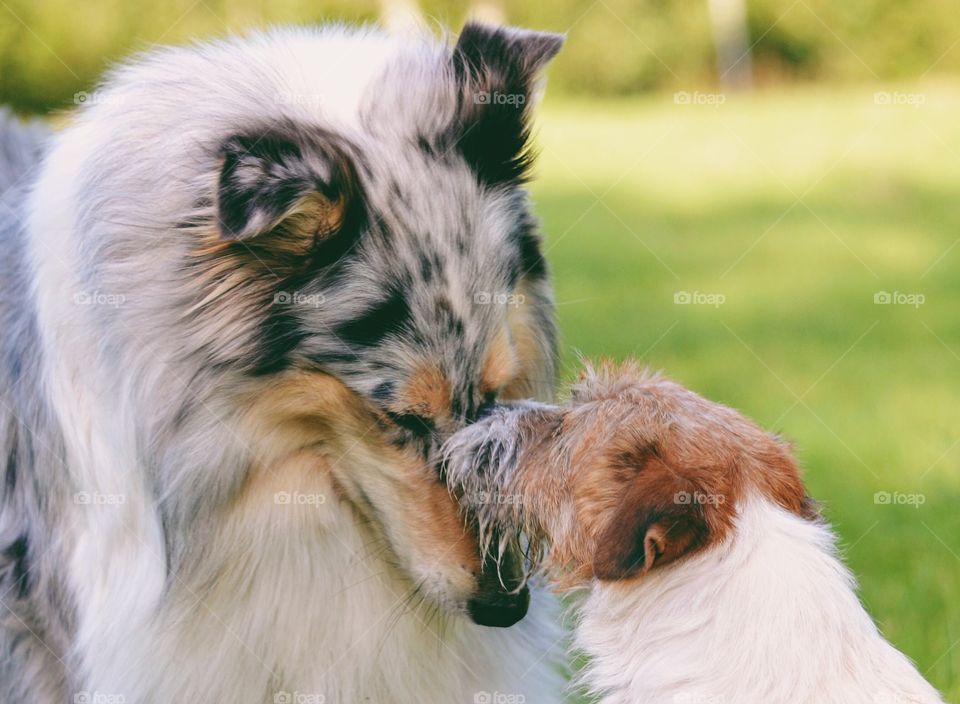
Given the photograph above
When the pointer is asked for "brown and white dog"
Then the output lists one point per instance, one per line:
(712, 577)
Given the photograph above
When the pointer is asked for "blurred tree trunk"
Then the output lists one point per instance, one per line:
(731, 39)
(401, 15)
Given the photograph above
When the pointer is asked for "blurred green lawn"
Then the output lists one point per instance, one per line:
(797, 207)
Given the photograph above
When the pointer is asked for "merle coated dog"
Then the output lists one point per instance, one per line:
(244, 295)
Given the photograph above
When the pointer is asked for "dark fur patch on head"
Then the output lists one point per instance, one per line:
(390, 316)
(496, 69)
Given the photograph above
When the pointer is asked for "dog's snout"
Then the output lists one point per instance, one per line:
(502, 598)
(499, 610)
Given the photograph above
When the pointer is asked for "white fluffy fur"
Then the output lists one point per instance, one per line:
(769, 616)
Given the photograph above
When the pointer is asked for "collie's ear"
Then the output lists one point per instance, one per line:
(496, 70)
(270, 178)
(648, 531)
(511, 55)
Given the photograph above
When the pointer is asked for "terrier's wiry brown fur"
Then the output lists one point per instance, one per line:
(632, 473)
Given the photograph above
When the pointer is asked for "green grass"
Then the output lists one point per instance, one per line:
(798, 208)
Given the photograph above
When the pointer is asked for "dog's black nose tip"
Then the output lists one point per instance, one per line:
(500, 611)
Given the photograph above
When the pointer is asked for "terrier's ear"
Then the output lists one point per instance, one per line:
(496, 69)
(269, 179)
(647, 530)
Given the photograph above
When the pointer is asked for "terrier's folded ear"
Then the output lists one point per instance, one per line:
(656, 523)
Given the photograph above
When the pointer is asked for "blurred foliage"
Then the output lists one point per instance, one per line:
(50, 50)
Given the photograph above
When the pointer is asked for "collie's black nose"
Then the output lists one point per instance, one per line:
(500, 610)
(501, 598)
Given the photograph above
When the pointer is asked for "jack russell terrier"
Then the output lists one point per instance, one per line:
(711, 577)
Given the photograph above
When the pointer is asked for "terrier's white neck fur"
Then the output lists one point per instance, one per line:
(771, 615)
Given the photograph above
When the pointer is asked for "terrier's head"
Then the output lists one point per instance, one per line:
(632, 473)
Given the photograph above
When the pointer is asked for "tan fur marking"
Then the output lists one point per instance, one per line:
(427, 393)
(501, 365)
(315, 216)
(305, 409)
(434, 519)
(309, 425)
